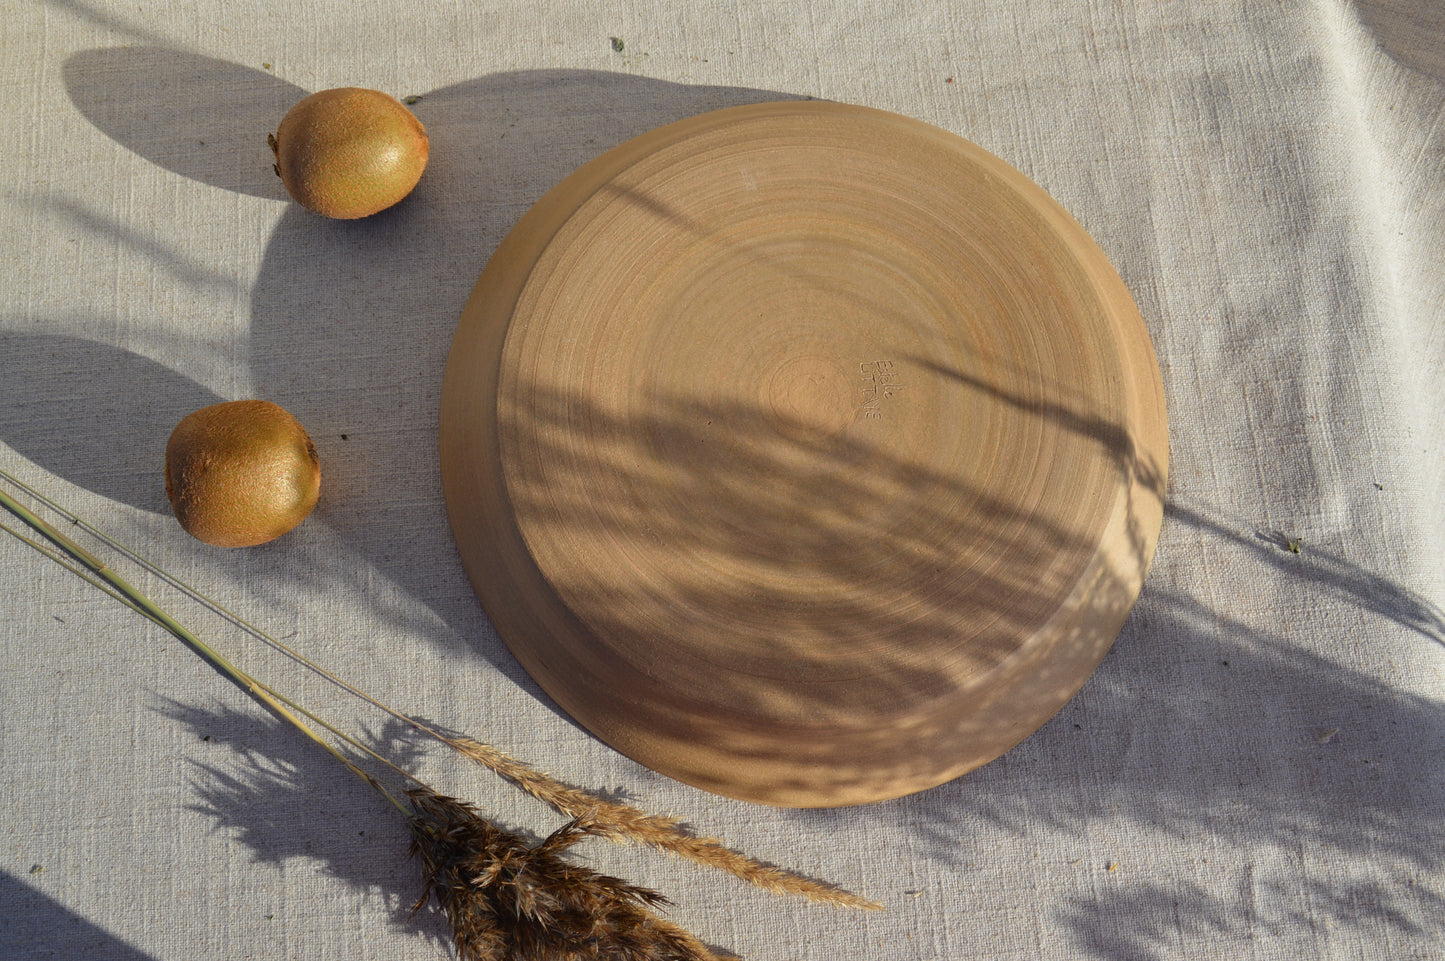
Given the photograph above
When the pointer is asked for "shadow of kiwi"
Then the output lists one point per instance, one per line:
(98, 416)
(203, 118)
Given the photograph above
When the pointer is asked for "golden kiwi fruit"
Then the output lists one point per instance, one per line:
(241, 473)
(349, 152)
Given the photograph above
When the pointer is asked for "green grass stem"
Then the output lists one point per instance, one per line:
(117, 585)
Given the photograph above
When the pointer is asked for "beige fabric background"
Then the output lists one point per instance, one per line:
(1256, 770)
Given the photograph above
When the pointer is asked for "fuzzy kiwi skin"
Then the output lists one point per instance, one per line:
(350, 152)
(241, 473)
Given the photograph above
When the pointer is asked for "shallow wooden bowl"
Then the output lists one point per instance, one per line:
(803, 452)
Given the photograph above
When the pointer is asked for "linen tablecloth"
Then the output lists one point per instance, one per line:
(1256, 771)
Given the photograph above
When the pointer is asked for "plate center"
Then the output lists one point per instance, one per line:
(815, 393)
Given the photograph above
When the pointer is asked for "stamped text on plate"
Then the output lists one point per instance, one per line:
(880, 381)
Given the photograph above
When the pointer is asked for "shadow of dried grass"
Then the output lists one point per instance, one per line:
(1253, 735)
(1156, 922)
(266, 795)
(1334, 576)
(1255, 761)
(287, 803)
(788, 534)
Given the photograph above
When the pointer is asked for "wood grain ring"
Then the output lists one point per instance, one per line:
(805, 453)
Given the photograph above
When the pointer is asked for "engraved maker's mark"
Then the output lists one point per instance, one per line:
(880, 383)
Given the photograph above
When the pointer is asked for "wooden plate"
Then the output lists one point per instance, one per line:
(803, 452)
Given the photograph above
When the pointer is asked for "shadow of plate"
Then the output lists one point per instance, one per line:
(1411, 31)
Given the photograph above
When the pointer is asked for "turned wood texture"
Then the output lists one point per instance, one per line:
(804, 453)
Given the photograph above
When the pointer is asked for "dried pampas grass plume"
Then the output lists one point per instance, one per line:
(508, 901)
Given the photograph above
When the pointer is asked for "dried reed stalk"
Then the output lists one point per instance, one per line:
(619, 823)
(622, 823)
(504, 899)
